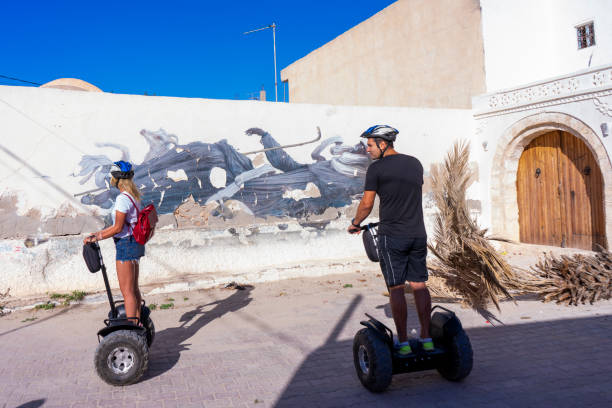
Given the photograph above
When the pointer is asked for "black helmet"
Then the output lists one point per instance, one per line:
(123, 170)
(383, 132)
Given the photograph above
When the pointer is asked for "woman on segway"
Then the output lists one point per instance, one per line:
(125, 215)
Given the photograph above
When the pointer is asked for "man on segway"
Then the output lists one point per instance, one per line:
(402, 240)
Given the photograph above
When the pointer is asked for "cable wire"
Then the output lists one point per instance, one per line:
(20, 80)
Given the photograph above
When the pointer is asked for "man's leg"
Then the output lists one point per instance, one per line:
(392, 264)
(422, 301)
(399, 310)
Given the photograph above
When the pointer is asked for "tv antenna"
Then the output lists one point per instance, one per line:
(273, 27)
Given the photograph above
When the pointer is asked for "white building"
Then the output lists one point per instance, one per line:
(527, 41)
(543, 125)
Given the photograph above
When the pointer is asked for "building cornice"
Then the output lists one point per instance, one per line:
(590, 84)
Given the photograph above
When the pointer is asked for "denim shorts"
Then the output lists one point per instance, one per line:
(128, 249)
(402, 259)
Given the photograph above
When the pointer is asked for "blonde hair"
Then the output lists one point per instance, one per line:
(127, 185)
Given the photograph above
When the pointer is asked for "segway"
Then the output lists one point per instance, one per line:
(376, 359)
(122, 355)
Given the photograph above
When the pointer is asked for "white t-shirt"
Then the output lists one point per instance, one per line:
(124, 204)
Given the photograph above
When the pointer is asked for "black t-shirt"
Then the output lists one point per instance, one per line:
(398, 181)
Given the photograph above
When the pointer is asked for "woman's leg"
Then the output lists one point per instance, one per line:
(126, 276)
(136, 287)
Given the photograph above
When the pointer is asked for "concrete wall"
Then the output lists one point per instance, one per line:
(422, 53)
(527, 41)
(224, 214)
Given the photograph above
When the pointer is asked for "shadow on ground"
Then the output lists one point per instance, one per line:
(562, 363)
(43, 319)
(33, 404)
(169, 343)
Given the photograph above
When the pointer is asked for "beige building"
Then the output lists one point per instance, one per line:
(425, 53)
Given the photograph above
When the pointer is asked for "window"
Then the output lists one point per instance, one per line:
(586, 35)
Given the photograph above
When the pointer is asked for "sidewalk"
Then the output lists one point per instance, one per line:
(289, 344)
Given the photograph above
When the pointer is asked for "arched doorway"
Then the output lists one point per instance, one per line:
(505, 163)
(560, 193)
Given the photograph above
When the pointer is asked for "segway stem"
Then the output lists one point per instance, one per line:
(107, 285)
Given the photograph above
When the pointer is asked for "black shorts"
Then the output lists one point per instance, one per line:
(402, 259)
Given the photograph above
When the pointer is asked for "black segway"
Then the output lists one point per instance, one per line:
(122, 355)
(376, 359)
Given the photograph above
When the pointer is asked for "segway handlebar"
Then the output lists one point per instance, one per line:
(368, 226)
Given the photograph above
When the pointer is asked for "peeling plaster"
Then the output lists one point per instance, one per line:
(259, 160)
(190, 213)
(311, 191)
(177, 175)
(66, 220)
(161, 198)
(218, 177)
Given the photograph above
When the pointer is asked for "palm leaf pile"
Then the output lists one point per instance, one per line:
(469, 266)
(572, 280)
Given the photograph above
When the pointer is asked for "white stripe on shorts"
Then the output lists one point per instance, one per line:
(387, 248)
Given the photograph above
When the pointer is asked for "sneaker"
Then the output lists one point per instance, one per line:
(404, 349)
(427, 344)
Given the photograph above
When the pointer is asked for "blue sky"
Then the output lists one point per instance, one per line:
(179, 48)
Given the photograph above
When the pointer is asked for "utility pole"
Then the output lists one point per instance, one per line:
(273, 27)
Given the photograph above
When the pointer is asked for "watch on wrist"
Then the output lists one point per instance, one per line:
(353, 224)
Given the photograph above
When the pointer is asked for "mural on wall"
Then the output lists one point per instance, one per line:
(215, 172)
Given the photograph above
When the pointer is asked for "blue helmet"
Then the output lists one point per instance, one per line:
(124, 170)
(383, 132)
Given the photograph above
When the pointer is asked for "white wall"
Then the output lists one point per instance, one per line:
(50, 129)
(45, 132)
(531, 40)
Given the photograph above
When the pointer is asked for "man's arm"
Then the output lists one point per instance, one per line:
(364, 209)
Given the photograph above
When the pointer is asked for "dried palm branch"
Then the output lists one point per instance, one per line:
(571, 280)
(469, 265)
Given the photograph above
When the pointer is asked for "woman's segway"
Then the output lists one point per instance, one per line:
(376, 359)
(122, 355)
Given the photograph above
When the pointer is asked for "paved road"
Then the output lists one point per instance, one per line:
(288, 344)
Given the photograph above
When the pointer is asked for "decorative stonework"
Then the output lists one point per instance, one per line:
(504, 207)
(554, 92)
(599, 78)
(544, 104)
(602, 107)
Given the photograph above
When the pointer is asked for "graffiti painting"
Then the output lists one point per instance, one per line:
(172, 172)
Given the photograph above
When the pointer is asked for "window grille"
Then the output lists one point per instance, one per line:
(586, 35)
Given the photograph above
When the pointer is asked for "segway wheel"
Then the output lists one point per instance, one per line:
(458, 363)
(372, 359)
(122, 357)
(150, 332)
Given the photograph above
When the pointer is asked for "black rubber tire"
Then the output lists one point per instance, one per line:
(150, 332)
(380, 365)
(123, 340)
(458, 363)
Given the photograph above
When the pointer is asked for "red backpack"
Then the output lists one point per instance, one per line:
(145, 224)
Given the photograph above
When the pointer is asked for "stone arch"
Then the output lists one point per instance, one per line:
(504, 205)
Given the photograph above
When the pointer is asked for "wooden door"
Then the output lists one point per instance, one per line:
(537, 192)
(560, 193)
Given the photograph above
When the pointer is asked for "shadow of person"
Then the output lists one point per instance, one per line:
(323, 370)
(33, 404)
(169, 343)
